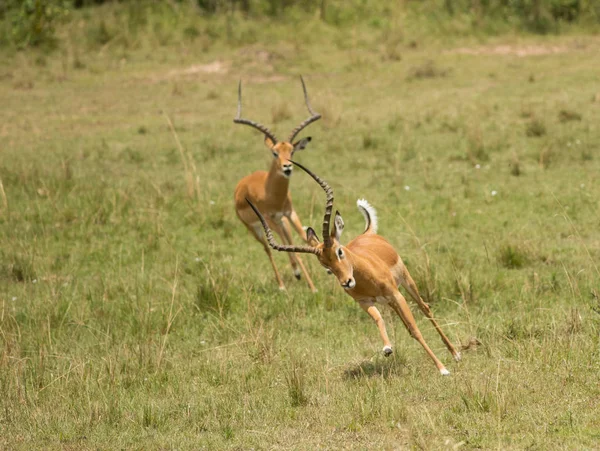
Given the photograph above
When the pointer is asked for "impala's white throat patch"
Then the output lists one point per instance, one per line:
(369, 213)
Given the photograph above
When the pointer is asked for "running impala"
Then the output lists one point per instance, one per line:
(368, 268)
(270, 190)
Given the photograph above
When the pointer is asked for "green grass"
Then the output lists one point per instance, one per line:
(137, 312)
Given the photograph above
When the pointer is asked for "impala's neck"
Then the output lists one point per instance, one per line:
(277, 184)
(364, 272)
(359, 265)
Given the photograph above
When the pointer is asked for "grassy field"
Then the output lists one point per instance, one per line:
(137, 312)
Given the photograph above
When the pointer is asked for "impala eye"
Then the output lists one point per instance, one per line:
(340, 253)
(275, 154)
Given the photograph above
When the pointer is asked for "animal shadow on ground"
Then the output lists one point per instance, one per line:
(368, 368)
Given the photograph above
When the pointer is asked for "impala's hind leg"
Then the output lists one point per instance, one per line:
(409, 285)
(369, 307)
(287, 238)
(257, 232)
(400, 306)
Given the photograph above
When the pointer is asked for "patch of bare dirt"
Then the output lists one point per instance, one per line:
(517, 50)
(216, 67)
(267, 78)
(258, 59)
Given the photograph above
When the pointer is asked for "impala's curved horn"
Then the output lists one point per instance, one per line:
(313, 116)
(328, 203)
(238, 119)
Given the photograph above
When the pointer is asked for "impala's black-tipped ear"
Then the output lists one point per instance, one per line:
(300, 145)
(338, 226)
(269, 142)
(311, 237)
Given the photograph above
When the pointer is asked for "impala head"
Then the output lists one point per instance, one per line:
(331, 254)
(282, 151)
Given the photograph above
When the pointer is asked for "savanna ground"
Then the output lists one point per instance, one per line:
(137, 312)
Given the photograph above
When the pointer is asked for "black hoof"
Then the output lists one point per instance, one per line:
(298, 276)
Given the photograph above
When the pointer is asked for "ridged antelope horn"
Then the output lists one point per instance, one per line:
(314, 116)
(238, 119)
(328, 204)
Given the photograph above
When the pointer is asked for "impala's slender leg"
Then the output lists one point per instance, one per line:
(257, 232)
(285, 228)
(295, 220)
(400, 306)
(369, 307)
(409, 284)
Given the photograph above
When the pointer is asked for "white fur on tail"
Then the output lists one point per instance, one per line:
(369, 213)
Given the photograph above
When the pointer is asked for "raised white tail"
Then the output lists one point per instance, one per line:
(370, 215)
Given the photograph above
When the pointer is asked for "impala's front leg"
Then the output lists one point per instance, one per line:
(369, 307)
(295, 220)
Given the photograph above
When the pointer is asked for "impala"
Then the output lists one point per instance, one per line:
(368, 268)
(270, 190)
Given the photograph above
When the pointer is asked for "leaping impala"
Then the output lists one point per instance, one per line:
(269, 190)
(368, 268)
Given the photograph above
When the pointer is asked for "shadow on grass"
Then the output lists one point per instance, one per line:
(381, 368)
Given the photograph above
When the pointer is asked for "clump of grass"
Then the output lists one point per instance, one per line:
(20, 270)
(370, 142)
(477, 151)
(131, 155)
(212, 95)
(586, 155)
(191, 32)
(261, 347)
(392, 51)
(477, 402)
(429, 69)
(535, 128)
(513, 256)
(151, 418)
(526, 112)
(99, 34)
(463, 286)
(228, 432)
(213, 293)
(515, 166)
(574, 322)
(296, 384)
(395, 123)
(78, 63)
(568, 115)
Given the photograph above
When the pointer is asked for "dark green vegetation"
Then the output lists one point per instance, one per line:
(137, 312)
(37, 23)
